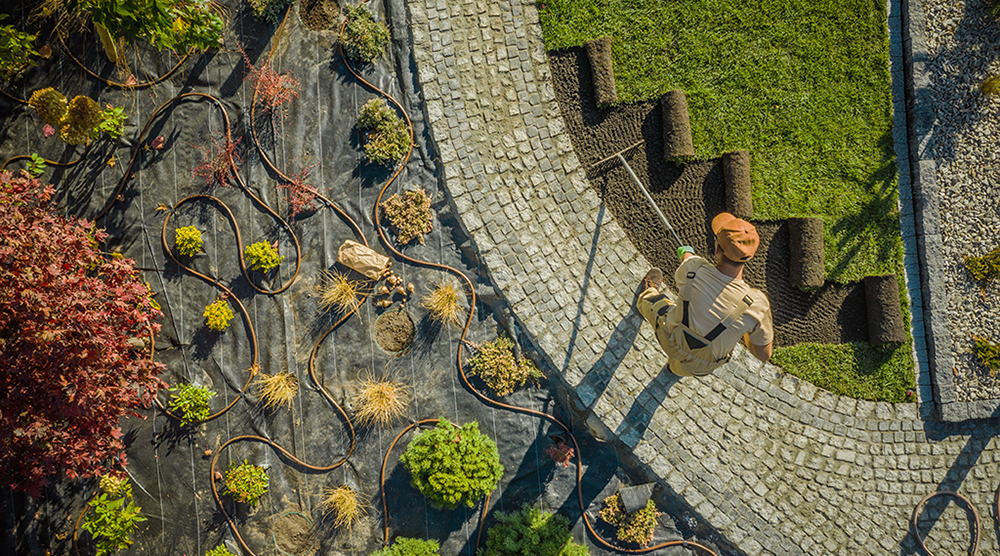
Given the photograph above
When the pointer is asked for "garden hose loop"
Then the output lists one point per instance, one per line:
(969, 506)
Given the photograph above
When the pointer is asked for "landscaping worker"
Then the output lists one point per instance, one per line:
(716, 306)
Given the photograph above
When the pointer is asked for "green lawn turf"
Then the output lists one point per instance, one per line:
(804, 86)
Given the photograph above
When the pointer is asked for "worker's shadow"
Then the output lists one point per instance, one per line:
(645, 405)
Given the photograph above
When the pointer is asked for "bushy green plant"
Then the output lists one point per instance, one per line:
(190, 402)
(637, 527)
(262, 256)
(220, 550)
(37, 165)
(75, 119)
(218, 314)
(409, 213)
(986, 267)
(188, 241)
(50, 105)
(386, 135)
(364, 39)
(112, 122)
(111, 520)
(494, 362)
(453, 465)
(246, 482)
(268, 10)
(531, 531)
(173, 24)
(403, 546)
(987, 353)
(196, 25)
(16, 50)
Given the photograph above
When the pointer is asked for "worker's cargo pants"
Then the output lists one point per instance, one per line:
(653, 306)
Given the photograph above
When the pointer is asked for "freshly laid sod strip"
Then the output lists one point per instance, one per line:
(802, 84)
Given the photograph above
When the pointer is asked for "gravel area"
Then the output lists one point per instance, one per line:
(964, 46)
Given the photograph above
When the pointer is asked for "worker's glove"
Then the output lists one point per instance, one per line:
(684, 249)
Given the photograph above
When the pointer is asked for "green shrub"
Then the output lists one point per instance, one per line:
(50, 105)
(637, 527)
(986, 267)
(531, 531)
(494, 362)
(403, 546)
(220, 550)
(37, 165)
(409, 213)
(218, 315)
(364, 39)
(15, 50)
(386, 135)
(75, 119)
(197, 25)
(173, 24)
(112, 122)
(246, 482)
(111, 519)
(988, 354)
(262, 256)
(453, 465)
(188, 241)
(190, 402)
(268, 10)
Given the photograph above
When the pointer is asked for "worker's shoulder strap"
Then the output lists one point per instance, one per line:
(736, 313)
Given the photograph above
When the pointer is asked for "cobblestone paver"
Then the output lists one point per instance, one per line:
(773, 464)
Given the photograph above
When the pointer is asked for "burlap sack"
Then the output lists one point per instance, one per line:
(363, 259)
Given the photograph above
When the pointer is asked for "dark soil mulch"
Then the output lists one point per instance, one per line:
(394, 331)
(689, 195)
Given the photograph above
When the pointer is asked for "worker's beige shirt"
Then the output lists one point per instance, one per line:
(713, 296)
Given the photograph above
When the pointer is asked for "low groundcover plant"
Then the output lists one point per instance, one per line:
(112, 517)
(637, 527)
(364, 39)
(218, 314)
(453, 465)
(190, 402)
(262, 256)
(531, 531)
(188, 241)
(409, 213)
(494, 362)
(246, 482)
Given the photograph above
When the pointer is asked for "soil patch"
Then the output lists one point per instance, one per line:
(319, 15)
(689, 195)
(394, 331)
(293, 534)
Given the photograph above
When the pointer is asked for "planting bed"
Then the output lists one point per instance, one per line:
(140, 193)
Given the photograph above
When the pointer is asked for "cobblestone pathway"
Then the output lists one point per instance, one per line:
(772, 464)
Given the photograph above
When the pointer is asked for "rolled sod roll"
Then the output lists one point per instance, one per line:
(677, 143)
(885, 317)
(602, 68)
(736, 169)
(805, 245)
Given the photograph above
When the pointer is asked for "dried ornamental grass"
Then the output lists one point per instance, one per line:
(346, 505)
(443, 304)
(379, 401)
(277, 390)
(337, 290)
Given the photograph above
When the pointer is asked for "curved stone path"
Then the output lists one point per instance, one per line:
(768, 462)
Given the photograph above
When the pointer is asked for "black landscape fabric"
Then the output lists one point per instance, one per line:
(169, 466)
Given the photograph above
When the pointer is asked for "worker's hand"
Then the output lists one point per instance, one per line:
(684, 249)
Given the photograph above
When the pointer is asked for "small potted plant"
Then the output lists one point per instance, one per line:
(262, 256)
(188, 241)
(112, 516)
(218, 314)
(453, 465)
(190, 402)
(637, 527)
(246, 482)
(494, 362)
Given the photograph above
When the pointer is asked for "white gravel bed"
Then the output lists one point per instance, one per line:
(964, 46)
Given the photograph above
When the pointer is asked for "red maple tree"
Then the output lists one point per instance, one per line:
(75, 328)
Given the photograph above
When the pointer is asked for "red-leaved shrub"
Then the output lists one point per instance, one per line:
(273, 89)
(217, 165)
(75, 327)
(301, 195)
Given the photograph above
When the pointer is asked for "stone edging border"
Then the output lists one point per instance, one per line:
(920, 120)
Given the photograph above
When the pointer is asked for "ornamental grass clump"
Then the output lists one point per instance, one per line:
(531, 531)
(637, 527)
(338, 291)
(364, 39)
(442, 304)
(379, 401)
(984, 268)
(262, 256)
(409, 214)
(346, 505)
(386, 135)
(453, 465)
(190, 402)
(494, 362)
(403, 546)
(277, 390)
(218, 314)
(188, 241)
(987, 353)
(246, 482)
(111, 519)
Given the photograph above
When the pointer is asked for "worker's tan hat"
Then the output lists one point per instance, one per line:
(737, 238)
